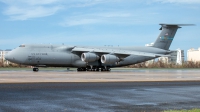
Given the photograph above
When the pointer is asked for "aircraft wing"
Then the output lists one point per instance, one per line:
(119, 52)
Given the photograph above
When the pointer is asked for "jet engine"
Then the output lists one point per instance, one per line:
(109, 59)
(89, 57)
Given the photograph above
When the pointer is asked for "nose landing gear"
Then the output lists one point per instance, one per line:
(35, 69)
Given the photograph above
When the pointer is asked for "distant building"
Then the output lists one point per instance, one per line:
(176, 57)
(2, 56)
(193, 55)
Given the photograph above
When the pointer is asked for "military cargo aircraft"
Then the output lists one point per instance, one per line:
(89, 58)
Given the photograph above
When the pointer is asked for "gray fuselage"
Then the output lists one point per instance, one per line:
(62, 56)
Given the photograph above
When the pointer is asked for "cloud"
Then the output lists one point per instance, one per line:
(94, 18)
(180, 1)
(120, 18)
(87, 3)
(79, 22)
(17, 13)
(29, 2)
(28, 9)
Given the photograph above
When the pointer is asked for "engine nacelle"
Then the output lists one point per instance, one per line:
(109, 59)
(89, 57)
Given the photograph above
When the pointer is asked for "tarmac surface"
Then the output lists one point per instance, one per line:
(116, 75)
(119, 90)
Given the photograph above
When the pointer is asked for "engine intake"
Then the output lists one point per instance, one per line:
(89, 57)
(109, 59)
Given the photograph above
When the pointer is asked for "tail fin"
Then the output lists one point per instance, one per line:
(167, 34)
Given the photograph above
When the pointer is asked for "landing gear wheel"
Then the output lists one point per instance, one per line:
(35, 69)
(78, 69)
(108, 69)
(102, 69)
(81, 69)
(84, 69)
(97, 69)
(105, 69)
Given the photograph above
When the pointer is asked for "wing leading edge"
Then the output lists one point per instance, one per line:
(120, 53)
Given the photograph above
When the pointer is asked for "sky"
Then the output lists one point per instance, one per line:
(97, 22)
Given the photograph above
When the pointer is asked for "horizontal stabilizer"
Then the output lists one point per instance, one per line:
(177, 24)
(174, 25)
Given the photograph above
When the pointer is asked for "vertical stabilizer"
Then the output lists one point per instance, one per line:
(167, 34)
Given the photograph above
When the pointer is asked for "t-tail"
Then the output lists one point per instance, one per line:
(167, 34)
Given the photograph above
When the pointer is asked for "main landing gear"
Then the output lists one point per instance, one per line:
(35, 69)
(81, 69)
(107, 69)
(93, 69)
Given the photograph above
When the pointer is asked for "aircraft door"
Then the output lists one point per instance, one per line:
(31, 59)
(37, 60)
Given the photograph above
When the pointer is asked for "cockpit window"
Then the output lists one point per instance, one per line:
(22, 46)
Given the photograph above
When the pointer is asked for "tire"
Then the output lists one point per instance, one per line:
(35, 69)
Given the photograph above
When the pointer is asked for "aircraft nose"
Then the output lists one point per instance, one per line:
(14, 56)
(8, 57)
